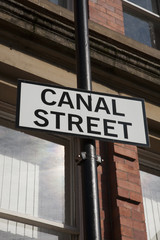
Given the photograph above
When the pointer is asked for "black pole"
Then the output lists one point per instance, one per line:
(89, 164)
(82, 45)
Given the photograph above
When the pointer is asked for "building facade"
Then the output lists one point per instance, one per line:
(40, 181)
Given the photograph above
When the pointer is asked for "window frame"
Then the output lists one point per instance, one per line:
(150, 163)
(144, 14)
(7, 119)
(141, 11)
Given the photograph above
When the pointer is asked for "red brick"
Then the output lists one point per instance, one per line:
(106, 13)
(138, 216)
(110, 8)
(140, 226)
(126, 168)
(134, 164)
(99, 170)
(100, 194)
(119, 29)
(118, 2)
(110, 18)
(128, 205)
(136, 197)
(123, 192)
(119, 23)
(99, 175)
(115, 27)
(119, 159)
(141, 208)
(134, 178)
(97, 143)
(120, 12)
(126, 222)
(99, 7)
(117, 16)
(121, 175)
(131, 147)
(126, 231)
(102, 215)
(99, 19)
(138, 235)
(128, 185)
(113, 4)
(123, 211)
(126, 238)
(125, 151)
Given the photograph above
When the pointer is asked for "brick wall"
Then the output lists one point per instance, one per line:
(121, 207)
(107, 13)
(122, 213)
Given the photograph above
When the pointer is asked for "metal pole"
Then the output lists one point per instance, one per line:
(82, 45)
(89, 165)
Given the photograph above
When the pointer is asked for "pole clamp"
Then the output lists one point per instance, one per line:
(83, 156)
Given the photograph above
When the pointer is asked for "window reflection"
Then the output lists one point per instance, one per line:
(11, 230)
(151, 200)
(142, 26)
(137, 29)
(142, 30)
(31, 175)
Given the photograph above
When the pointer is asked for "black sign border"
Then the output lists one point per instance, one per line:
(85, 91)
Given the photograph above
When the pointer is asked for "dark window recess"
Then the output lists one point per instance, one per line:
(142, 27)
(61, 2)
(137, 29)
(64, 3)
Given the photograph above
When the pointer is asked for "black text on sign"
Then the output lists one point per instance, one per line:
(81, 113)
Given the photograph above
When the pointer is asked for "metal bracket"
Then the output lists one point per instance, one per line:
(99, 160)
(83, 156)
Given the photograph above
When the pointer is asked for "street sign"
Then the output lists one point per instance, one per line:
(81, 113)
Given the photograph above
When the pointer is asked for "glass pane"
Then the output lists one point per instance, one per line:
(54, 1)
(60, 2)
(64, 3)
(137, 29)
(32, 177)
(150, 5)
(10, 230)
(151, 200)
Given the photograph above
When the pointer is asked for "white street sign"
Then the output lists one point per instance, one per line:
(81, 113)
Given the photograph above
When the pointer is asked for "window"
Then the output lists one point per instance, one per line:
(64, 3)
(150, 183)
(151, 5)
(142, 21)
(151, 201)
(35, 199)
